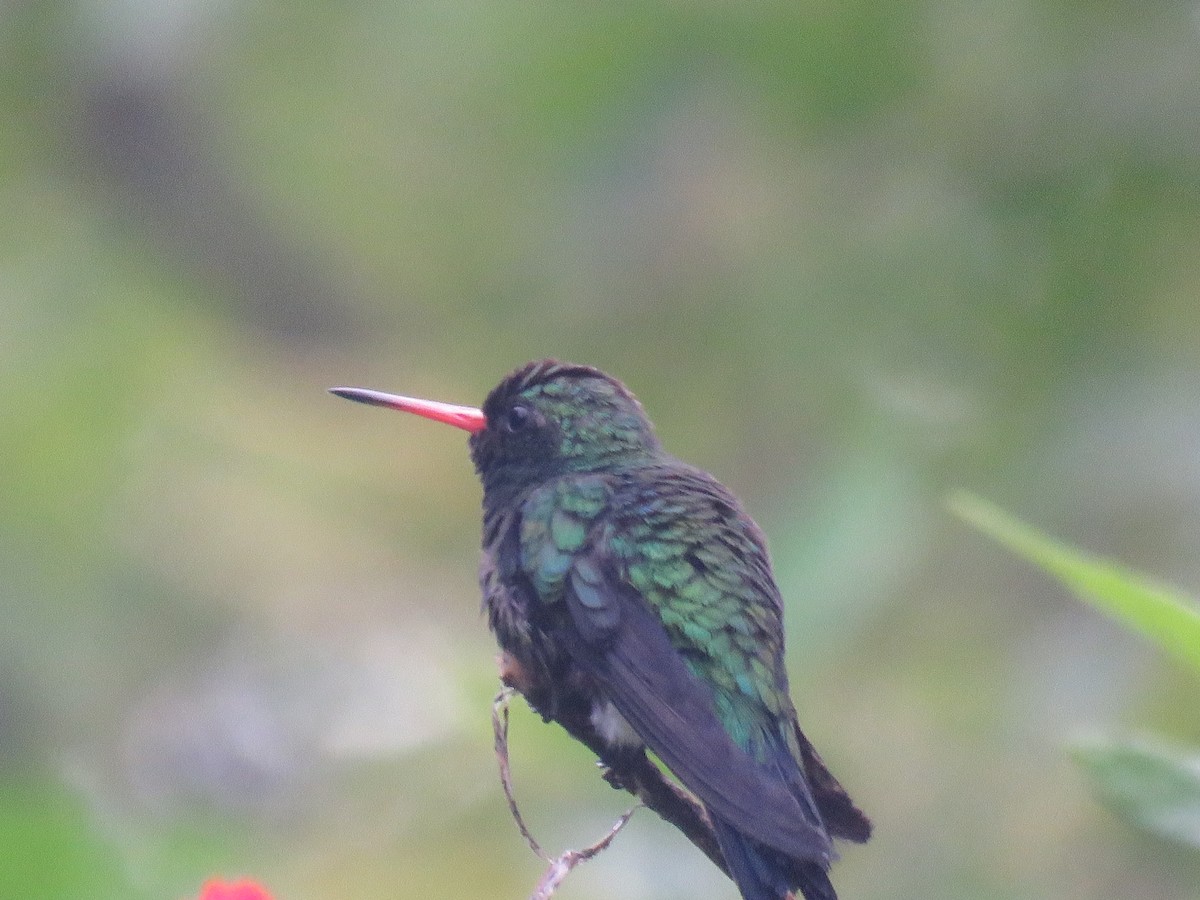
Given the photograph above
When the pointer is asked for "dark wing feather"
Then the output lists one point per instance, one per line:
(622, 643)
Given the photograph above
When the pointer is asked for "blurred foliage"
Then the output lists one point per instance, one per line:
(851, 256)
(48, 848)
(1153, 787)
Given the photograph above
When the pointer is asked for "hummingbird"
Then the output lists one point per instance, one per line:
(633, 600)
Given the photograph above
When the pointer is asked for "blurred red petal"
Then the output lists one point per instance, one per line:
(233, 890)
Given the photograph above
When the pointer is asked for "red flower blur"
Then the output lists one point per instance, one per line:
(233, 890)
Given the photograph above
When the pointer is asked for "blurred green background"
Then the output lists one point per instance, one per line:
(851, 256)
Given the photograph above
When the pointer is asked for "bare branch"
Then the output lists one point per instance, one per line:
(561, 866)
(629, 770)
(637, 774)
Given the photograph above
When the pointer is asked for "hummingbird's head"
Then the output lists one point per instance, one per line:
(547, 418)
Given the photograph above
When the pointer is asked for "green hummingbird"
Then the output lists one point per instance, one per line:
(633, 599)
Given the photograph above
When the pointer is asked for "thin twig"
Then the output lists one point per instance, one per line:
(562, 865)
(500, 730)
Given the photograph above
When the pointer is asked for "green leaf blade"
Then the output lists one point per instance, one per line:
(1164, 615)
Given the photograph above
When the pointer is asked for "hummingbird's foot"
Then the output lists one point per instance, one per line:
(611, 775)
(620, 767)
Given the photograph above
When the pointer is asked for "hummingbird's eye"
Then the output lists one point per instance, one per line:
(517, 418)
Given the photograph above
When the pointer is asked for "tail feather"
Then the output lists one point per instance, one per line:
(762, 873)
(841, 817)
(814, 882)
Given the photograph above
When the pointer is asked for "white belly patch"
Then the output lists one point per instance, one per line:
(612, 727)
